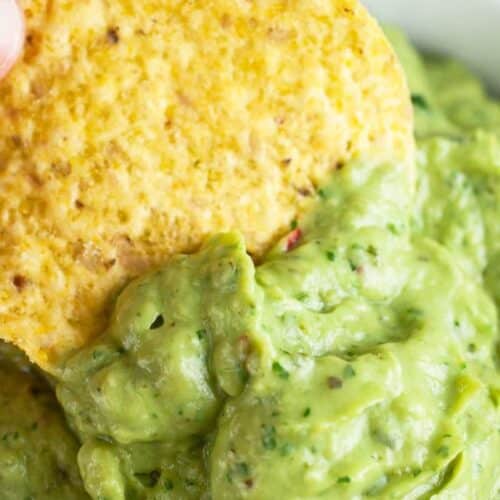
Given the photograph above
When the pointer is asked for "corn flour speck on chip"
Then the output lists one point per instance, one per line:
(130, 131)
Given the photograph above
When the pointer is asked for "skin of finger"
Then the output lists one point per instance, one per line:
(11, 34)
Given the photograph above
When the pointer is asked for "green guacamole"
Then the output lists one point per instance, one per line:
(359, 359)
(37, 450)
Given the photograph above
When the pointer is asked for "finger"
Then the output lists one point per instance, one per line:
(11, 34)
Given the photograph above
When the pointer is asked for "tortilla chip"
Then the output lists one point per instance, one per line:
(132, 130)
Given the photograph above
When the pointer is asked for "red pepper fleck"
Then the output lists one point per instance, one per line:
(293, 239)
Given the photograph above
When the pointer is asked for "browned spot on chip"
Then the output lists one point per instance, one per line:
(20, 282)
(113, 35)
(304, 191)
(225, 21)
(17, 141)
(61, 168)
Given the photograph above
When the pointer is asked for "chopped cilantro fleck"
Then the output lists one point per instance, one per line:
(348, 371)
(392, 228)
(330, 255)
(242, 469)
(280, 371)
(413, 311)
(97, 355)
(269, 437)
(322, 193)
(8, 435)
(344, 480)
(286, 449)
(472, 348)
(419, 101)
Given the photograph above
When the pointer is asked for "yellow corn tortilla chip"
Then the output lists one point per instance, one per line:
(131, 130)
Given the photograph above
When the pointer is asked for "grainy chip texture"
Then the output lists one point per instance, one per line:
(133, 129)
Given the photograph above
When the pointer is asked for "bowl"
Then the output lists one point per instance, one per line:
(466, 29)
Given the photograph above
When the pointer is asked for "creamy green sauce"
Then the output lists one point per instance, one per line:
(359, 359)
(37, 450)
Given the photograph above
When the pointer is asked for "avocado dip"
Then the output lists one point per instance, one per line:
(358, 359)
